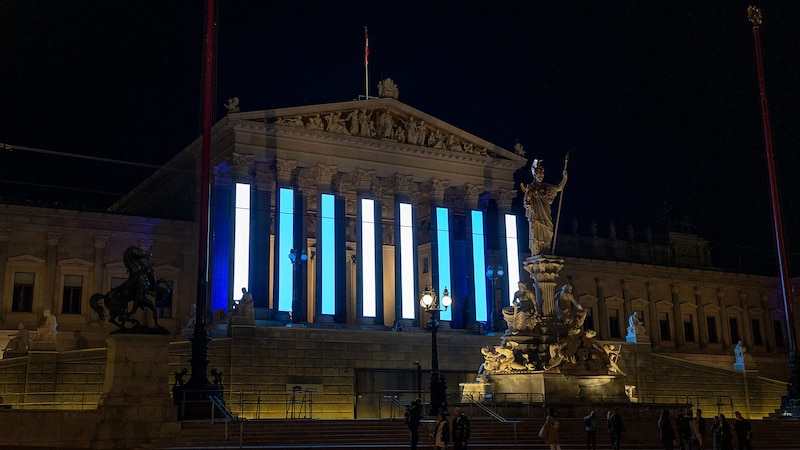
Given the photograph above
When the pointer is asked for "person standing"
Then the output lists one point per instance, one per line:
(716, 430)
(460, 429)
(590, 423)
(665, 431)
(693, 442)
(743, 435)
(617, 428)
(701, 425)
(412, 420)
(550, 428)
(441, 434)
(80, 342)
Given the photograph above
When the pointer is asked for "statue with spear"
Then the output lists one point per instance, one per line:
(539, 197)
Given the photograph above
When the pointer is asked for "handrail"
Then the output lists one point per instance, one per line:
(488, 410)
(397, 402)
(229, 416)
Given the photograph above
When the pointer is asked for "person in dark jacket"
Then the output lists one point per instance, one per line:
(665, 431)
(616, 428)
(460, 429)
(414, 416)
(742, 427)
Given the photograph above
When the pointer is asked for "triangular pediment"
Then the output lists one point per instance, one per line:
(387, 120)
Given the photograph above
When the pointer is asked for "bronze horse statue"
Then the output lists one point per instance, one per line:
(141, 289)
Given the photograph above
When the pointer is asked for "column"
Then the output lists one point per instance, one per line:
(602, 312)
(509, 256)
(50, 272)
(369, 295)
(220, 250)
(5, 236)
(263, 199)
(98, 269)
(625, 285)
(746, 326)
(475, 257)
(284, 228)
(308, 209)
(329, 268)
(725, 326)
(677, 320)
(702, 326)
(655, 323)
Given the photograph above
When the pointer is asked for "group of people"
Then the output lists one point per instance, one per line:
(549, 431)
(689, 433)
(456, 430)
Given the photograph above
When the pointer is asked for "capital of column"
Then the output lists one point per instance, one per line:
(600, 282)
(222, 176)
(100, 242)
(472, 195)
(437, 189)
(285, 167)
(650, 286)
(674, 288)
(625, 284)
(324, 174)
(504, 198)
(53, 238)
(363, 179)
(265, 178)
(241, 165)
(698, 290)
(403, 183)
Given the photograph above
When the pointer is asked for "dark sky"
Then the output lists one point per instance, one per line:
(657, 102)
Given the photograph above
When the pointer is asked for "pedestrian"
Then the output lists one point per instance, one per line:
(413, 416)
(441, 434)
(701, 425)
(590, 423)
(692, 441)
(665, 431)
(743, 435)
(716, 429)
(682, 427)
(725, 433)
(616, 428)
(460, 429)
(549, 431)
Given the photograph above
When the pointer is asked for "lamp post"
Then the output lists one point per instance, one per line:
(431, 304)
(493, 275)
(297, 257)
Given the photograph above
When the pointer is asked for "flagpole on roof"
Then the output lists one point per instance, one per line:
(366, 63)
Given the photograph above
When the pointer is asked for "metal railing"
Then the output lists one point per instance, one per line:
(219, 405)
(492, 414)
(50, 400)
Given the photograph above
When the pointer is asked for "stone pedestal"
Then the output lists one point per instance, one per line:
(135, 407)
(544, 271)
(637, 338)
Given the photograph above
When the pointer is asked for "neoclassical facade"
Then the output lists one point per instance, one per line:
(383, 200)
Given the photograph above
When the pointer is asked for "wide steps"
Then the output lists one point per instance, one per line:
(642, 433)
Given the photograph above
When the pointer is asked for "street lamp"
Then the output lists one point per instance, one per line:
(430, 303)
(297, 257)
(493, 275)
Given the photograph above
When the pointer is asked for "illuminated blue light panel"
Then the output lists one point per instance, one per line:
(408, 295)
(512, 256)
(285, 245)
(367, 260)
(443, 250)
(328, 253)
(478, 266)
(241, 240)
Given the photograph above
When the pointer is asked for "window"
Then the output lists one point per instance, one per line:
(688, 327)
(777, 328)
(756, 325)
(164, 299)
(711, 324)
(73, 292)
(22, 298)
(613, 323)
(663, 324)
(734, 329)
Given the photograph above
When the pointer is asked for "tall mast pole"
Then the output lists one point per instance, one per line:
(366, 64)
(558, 214)
(754, 15)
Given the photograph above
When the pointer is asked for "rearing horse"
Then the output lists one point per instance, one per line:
(138, 289)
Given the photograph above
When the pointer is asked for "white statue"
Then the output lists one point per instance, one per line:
(739, 352)
(48, 331)
(636, 325)
(538, 198)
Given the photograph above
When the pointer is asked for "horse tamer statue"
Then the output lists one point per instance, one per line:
(140, 290)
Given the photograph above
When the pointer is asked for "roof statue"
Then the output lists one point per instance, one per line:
(232, 105)
(387, 88)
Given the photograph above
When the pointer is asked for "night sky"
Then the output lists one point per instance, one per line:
(656, 102)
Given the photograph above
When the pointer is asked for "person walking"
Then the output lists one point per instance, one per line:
(616, 428)
(725, 437)
(460, 429)
(665, 431)
(441, 434)
(743, 435)
(549, 430)
(590, 423)
(413, 417)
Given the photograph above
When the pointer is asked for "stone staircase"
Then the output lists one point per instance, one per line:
(670, 380)
(642, 433)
